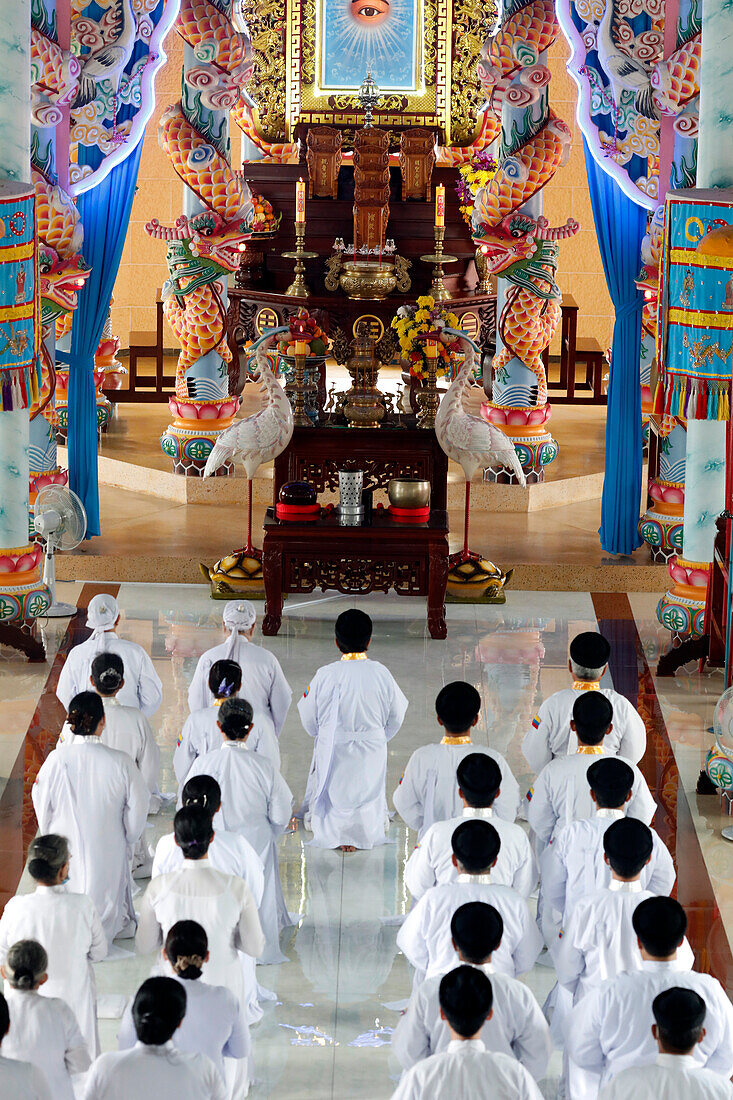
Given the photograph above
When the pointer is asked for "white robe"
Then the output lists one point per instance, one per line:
(599, 941)
(352, 708)
(263, 686)
(201, 734)
(214, 1024)
(142, 687)
(257, 803)
(97, 799)
(154, 1073)
(431, 863)
(550, 734)
(428, 790)
(44, 1031)
(573, 866)
(127, 729)
(222, 904)
(517, 1026)
(561, 794)
(68, 927)
(467, 1070)
(22, 1081)
(425, 935)
(611, 1029)
(672, 1077)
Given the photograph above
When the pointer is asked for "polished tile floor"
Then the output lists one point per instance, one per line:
(327, 1034)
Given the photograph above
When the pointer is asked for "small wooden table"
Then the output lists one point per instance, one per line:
(411, 558)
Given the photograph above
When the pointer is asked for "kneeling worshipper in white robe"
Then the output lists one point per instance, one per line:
(550, 734)
(425, 936)
(263, 682)
(229, 853)
(427, 791)
(257, 803)
(19, 1080)
(598, 942)
(516, 1026)
(561, 793)
(679, 1027)
(155, 1069)
(43, 1030)
(201, 731)
(142, 686)
(352, 708)
(222, 904)
(431, 863)
(67, 925)
(466, 1068)
(214, 1024)
(610, 1030)
(573, 865)
(96, 798)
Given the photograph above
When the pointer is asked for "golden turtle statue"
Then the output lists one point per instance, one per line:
(476, 578)
(237, 574)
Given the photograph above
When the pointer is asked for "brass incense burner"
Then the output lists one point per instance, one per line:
(364, 406)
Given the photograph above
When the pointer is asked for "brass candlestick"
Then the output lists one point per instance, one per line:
(428, 397)
(299, 288)
(437, 259)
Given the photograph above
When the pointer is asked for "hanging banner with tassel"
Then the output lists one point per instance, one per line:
(19, 300)
(695, 337)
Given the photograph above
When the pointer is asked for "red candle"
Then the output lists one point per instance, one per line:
(300, 202)
(440, 206)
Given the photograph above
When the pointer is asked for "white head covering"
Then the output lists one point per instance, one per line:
(102, 615)
(238, 615)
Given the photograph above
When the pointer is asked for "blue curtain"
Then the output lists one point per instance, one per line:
(105, 213)
(620, 226)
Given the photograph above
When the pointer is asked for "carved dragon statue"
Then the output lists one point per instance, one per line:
(205, 246)
(524, 249)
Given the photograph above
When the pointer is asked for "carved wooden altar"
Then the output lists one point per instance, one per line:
(371, 187)
(417, 160)
(323, 159)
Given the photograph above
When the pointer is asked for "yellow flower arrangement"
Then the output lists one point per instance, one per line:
(475, 175)
(412, 322)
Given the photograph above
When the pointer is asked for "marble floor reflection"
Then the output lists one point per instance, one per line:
(337, 999)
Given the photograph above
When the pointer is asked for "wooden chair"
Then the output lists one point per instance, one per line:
(323, 158)
(146, 344)
(417, 161)
(590, 352)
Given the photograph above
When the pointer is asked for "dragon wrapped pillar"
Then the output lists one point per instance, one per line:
(204, 245)
(675, 93)
(23, 596)
(62, 271)
(524, 250)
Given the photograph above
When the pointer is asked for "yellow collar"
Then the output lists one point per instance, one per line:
(586, 685)
(218, 702)
(590, 750)
(353, 656)
(464, 739)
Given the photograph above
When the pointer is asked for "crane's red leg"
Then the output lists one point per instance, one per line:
(467, 512)
(249, 515)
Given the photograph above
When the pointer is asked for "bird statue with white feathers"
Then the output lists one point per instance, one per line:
(472, 443)
(255, 439)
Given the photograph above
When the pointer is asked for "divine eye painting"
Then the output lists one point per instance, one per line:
(379, 36)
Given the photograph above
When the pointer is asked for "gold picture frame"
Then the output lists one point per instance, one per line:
(285, 89)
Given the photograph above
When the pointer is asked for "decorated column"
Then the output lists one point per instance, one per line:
(514, 238)
(23, 596)
(698, 345)
(205, 243)
(54, 76)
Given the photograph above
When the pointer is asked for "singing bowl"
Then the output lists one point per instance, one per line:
(409, 493)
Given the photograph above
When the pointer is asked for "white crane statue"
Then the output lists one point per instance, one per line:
(257, 438)
(470, 441)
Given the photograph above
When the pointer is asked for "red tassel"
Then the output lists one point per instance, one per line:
(702, 402)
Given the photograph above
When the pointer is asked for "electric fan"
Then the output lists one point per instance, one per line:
(60, 520)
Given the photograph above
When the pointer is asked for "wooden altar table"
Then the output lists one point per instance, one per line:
(411, 558)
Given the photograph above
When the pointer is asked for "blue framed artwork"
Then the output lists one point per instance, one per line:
(378, 36)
